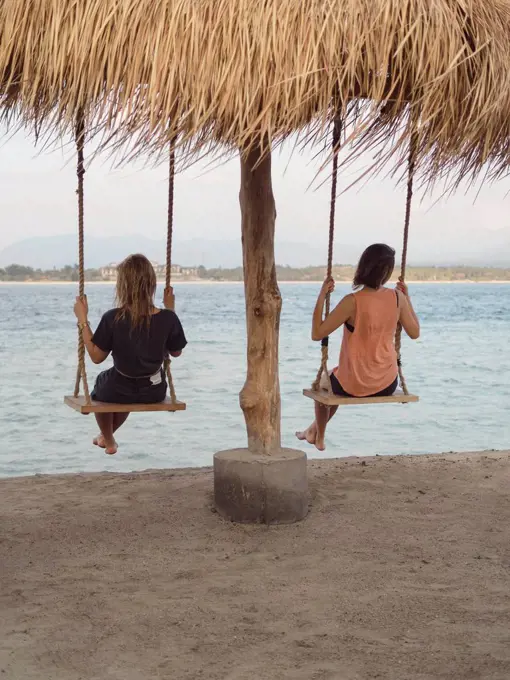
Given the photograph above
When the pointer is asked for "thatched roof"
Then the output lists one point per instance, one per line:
(223, 72)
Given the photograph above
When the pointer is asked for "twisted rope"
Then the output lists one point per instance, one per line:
(337, 131)
(170, 218)
(168, 271)
(81, 373)
(411, 166)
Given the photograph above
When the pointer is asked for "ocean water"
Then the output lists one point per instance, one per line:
(460, 368)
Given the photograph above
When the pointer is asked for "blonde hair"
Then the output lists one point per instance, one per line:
(136, 288)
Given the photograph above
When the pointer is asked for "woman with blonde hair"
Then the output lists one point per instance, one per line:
(139, 337)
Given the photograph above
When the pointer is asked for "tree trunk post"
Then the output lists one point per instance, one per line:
(263, 483)
(260, 396)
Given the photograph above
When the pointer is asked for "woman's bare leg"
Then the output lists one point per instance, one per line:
(105, 423)
(321, 420)
(312, 434)
(118, 420)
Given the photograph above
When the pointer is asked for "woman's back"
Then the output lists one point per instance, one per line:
(140, 351)
(368, 361)
(139, 336)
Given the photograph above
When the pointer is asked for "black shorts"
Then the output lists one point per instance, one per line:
(115, 388)
(340, 392)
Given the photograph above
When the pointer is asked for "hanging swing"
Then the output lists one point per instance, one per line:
(321, 390)
(83, 403)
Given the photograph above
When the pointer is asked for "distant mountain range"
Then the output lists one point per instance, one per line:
(46, 252)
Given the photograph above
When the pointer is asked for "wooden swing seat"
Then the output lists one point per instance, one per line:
(79, 404)
(323, 397)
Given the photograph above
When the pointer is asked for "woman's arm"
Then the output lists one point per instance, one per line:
(81, 310)
(169, 303)
(97, 355)
(176, 340)
(408, 319)
(342, 312)
(169, 298)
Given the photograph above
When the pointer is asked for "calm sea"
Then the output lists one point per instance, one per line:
(460, 368)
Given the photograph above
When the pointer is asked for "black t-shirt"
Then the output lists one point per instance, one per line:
(140, 351)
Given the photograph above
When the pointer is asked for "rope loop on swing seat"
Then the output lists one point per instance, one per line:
(335, 148)
(81, 372)
(321, 390)
(84, 404)
(411, 167)
(168, 268)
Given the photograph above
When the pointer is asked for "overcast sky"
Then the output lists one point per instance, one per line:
(37, 198)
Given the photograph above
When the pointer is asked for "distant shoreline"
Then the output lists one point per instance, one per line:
(210, 282)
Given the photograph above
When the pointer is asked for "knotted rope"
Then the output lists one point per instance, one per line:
(81, 373)
(168, 271)
(337, 131)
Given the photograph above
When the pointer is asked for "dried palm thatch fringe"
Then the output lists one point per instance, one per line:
(226, 72)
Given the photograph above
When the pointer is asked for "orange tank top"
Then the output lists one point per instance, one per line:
(368, 361)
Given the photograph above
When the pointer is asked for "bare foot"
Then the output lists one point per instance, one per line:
(99, 441)
(111, 448)
(320, 444)
(308, 435)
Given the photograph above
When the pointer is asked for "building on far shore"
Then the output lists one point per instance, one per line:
(109, 272)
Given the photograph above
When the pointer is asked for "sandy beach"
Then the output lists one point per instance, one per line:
(401, 571)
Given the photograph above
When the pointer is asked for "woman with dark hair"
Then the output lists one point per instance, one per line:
(139, 336)
(368, 360)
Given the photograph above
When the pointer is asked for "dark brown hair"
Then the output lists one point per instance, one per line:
(375, 266)
(136, 288)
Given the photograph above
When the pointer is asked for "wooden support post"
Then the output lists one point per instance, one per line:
(263, 483)
(260, 396)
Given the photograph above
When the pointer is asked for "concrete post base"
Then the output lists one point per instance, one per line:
(261, 489)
